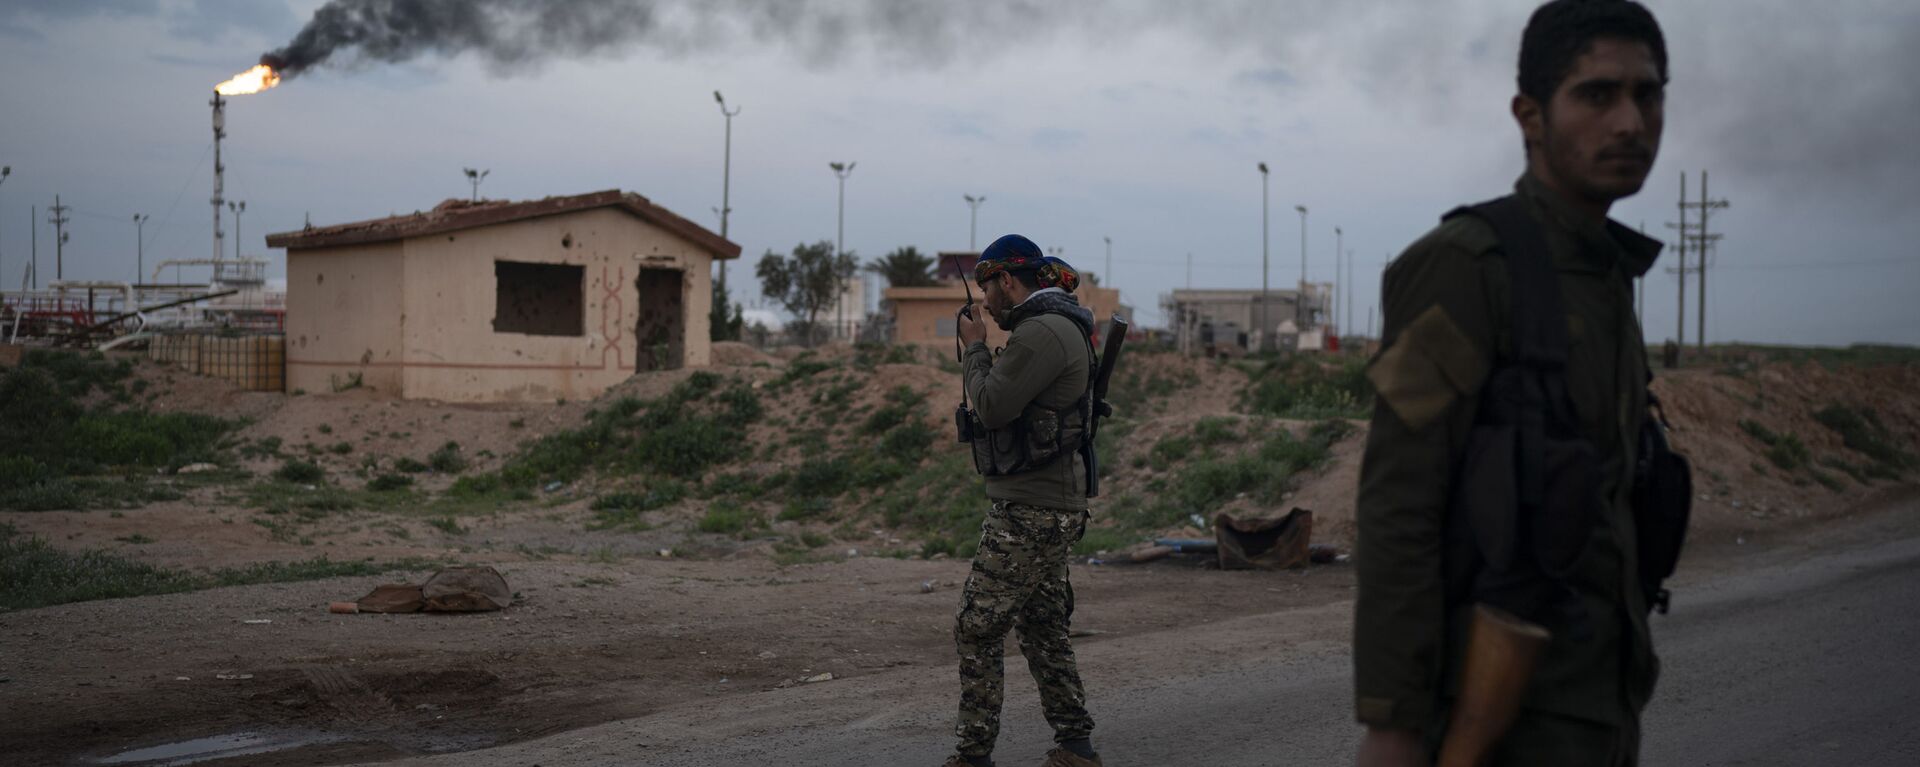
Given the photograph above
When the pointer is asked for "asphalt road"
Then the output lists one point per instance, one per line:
(1800, 658)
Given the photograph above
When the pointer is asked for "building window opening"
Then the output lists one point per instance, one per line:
(539, 299)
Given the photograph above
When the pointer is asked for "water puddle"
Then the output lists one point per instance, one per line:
(218, 747)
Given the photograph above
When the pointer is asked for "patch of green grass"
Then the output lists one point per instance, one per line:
(447, 525)
(623, 508)
(1785, 451)
(1205, 483)
(725, 517)
(1309, 387)
(1216, 430)
(796, 552)
(1861, 430)
(35, 574)
(408, 465)
(1170, 450)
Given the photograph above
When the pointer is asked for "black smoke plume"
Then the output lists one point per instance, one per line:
(505, 32)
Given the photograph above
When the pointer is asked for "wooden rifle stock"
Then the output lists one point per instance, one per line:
(1502, 651)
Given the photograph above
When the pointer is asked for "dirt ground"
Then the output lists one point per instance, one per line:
(612, 624)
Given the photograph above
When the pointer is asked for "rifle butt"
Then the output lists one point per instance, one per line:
(1502, 651)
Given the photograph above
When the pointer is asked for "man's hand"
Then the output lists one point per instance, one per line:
(1384, 747)
(971, 326)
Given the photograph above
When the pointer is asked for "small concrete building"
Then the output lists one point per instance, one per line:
(1229, 321)
(924, 315)
(499, 301)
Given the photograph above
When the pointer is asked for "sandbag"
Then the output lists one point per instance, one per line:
(392, 598)
(1265, 544)
(466, 590)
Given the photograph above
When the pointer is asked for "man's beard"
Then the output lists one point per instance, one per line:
(1586, 178)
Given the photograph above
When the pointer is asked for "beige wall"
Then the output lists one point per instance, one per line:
(344, 317)
(447, 348)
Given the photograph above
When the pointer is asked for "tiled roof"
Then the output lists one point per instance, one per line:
(454, 215)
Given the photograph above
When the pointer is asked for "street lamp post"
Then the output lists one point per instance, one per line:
(726, 184)
(1333, 313)
(973, 219)
(841, 171)
(1265, 329)
(238, 207)
(4, 173)
(1109, 273)
(474, 177)
(140, 244)
(1300, 307)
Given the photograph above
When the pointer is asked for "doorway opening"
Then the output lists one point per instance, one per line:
(661, 338)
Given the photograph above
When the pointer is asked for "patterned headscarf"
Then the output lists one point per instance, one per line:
(1014, 253)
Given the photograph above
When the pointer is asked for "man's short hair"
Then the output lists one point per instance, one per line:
(1562, 30)
(1029, 278)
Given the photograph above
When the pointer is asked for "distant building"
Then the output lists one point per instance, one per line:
(492, 301)
(1231, 321)
(925, 315)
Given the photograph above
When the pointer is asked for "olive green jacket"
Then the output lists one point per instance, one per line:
(1046, 360)
(1448, 308)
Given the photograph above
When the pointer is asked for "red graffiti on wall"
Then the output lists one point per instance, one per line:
(612, 307)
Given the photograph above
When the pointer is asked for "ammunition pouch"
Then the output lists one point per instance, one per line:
(1525, 500)
(1035, 440)
(1662, 506)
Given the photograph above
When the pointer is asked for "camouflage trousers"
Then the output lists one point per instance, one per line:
(1019, 581)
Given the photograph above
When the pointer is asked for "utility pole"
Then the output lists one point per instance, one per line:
(59, 221)
(1703, 244)
(973, 220)
(1640, 289)
(1680, 334)
(140, 245)
(726, 186)
(1266, 326)
(474, 177)
(841, 171)
(33, 226)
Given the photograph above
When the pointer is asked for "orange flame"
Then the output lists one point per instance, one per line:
(254, 80)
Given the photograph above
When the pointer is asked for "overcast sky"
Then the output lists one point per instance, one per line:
(1139, 121)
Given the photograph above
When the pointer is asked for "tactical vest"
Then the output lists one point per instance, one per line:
(1526, 494)
(1040, 436)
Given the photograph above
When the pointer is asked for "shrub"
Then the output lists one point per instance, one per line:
(1861, 430)
(301, 472)
(390, 482)
(447, 459)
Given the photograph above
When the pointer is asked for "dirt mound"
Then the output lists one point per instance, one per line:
(736, 354)
(1762, 455)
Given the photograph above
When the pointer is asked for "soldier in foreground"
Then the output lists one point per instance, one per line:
(1507, 556)
(1029, 415)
